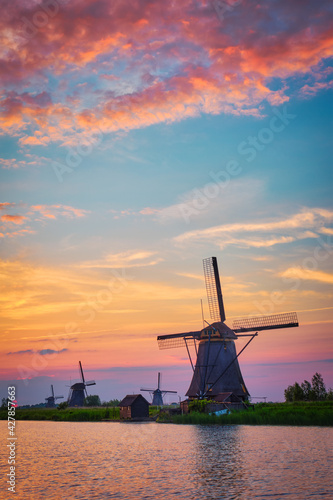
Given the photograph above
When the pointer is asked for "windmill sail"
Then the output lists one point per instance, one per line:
(275, 321)
(176, 339)
(213, 287)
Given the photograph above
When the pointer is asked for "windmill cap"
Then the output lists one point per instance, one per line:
(218, 330)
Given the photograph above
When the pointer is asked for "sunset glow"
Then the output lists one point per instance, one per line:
(138, 138)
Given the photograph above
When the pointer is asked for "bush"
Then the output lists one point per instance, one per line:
(198, 405)
(63, 405)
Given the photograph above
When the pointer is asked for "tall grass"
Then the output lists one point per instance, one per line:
(299, 413)
(318, 414)
(67, 415)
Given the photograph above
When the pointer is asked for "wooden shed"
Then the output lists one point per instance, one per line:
(134, 406)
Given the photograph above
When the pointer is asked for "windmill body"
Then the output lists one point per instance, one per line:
(216, 370)
(216, 352)
(78, 391)
(158, 394)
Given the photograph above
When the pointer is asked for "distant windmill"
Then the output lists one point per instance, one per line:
(78, 391)
(51, 399)
(216, 370)
(158, 393)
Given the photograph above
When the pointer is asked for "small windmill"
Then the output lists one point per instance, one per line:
(51, 399)
(216, 370)
(78, 391)
(158, 394)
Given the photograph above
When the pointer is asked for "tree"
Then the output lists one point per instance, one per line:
(112, 402)
(92, 401)
(294, 393)
(4, 403)
(298, 392)
(289, 393)
(307, 390)
(318, 387)
(329, 395)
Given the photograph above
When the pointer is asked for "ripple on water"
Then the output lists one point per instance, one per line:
(74, 460)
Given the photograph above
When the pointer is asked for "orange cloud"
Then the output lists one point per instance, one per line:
(5, 205)
(15, 219)
(52, 211)
(307, 274)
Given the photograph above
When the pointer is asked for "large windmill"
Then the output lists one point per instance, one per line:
(78, 391)
(158, 393)
(216, 369)
(50, 401)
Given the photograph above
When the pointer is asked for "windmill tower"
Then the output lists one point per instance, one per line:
(217, 369)
(50, 401)
(158, 393)
(78, 391)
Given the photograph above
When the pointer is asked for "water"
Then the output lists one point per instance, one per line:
(83, 460)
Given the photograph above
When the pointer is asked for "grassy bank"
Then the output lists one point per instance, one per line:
(303, 413)
(67, 415)
(87, 414)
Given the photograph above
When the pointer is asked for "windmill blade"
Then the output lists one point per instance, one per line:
(275, 321)
(90, 382)
(176, 339)
(158, 380)
(167, 392)
(58, 397)
(81, 371)
(213, 287)
(148, 390)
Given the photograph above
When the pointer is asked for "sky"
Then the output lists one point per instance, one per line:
(138, 138)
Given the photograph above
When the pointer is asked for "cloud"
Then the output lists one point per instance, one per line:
(26, 351)
(154, 63)
(42, 352)
(307, 274)
(295, 227)
(4, 206)
(15, 219)
(45, 352)
(13, 163)
(192, 276)
(138, 258)
(35, 214)
(53, 211)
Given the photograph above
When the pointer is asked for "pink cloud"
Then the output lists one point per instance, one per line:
(53, 211)
(178, 60)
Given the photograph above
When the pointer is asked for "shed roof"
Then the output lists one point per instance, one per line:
(130, 398)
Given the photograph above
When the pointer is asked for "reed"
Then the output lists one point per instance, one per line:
(68, 415)
(305, 414)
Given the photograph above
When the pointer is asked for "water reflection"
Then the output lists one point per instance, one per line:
(67, 460)
(219, 467)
